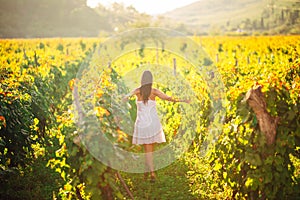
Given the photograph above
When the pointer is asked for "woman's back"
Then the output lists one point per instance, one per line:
(152, 95)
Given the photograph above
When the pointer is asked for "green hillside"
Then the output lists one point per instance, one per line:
(63, 18)
(44, 18)
(231, 15)
(208, 12)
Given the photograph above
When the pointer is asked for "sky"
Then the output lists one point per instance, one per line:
(152, 7)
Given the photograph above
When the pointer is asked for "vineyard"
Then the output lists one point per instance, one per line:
(43, 156)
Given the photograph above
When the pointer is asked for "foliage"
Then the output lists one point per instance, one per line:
(247, 164)
(34, 82)
(87, 176)
(34, 182)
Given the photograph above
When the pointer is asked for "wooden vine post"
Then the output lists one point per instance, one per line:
(267, 123)
(174, 66)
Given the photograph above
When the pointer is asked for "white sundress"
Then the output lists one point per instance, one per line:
(147, 128)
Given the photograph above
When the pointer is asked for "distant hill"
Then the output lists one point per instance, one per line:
(48, 18)
(66, 18)
(230, 15)
(205, 13)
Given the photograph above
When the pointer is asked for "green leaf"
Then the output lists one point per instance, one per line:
(224, 175)
(254, 122)
(217, 166)
(268, 177)
(253, 158)
(249, 182)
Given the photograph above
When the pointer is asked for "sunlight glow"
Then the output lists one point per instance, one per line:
(152, 7)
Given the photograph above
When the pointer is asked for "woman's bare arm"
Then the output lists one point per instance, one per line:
(133, 92)
(163, 96)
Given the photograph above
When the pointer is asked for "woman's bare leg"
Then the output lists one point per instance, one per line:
(149, 158)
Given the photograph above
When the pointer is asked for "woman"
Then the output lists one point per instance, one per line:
(148, 129)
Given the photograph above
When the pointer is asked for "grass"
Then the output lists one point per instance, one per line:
(171, 183)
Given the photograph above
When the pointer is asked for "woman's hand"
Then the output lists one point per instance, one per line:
(186, 101)
(125, 98)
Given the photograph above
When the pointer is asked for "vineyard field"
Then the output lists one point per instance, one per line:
(44, 155)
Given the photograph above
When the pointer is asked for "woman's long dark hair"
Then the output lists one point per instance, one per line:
(146, 85)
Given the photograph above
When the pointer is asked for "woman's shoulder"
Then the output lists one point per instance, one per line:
(136, 91)
(155, 91)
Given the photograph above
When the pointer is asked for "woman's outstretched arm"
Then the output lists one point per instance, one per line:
(163, 96)
(133, 92)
